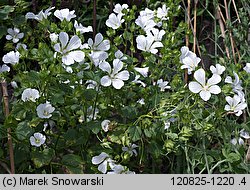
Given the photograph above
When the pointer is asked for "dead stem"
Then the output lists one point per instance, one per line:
(230, 33)
(222, 28)
(6, 110)
(187, 38)
(195, 24)
(235, 8)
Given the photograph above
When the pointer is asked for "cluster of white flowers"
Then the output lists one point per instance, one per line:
(238, 103)
(98, 49)
(12, 57)
(104, 160)
(243, 135)
(189, 60)
(115, 20)
(146, 20)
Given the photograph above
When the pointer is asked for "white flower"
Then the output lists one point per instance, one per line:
(65, 14)
(234, 141)
(147, 44)
(90, 113)
(119, 8)
(116, 169)
(114, 21)
(167, 124)
(53, 37)
(20, 45)
(141, 101)
(247, 68)
(136, 81)
(217, 69)
(185, 53)
(114, 77)
(205, 89)
(162, 12)
(14, 84)
(4, 68)
(14, 35)
(156, 34)
(40, 16)
(37, 139)
(145, 22)
(105, 125)
(30, 94)
(244, 134)
(163, 84)
(235, 105)
(99, 44)
(236, 84)
(66, 47)
(142, 71)
(119, 55)
(91, 84)
(11, 57)
(147, 12)
(131, 149)
(102, 160)
(189, 59)
(98, 57)
(45, 110)
(80, 28)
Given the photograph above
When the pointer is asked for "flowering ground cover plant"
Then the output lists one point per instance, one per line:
(117, 102)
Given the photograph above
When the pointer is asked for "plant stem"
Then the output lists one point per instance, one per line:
(205, 154)
(217, 164)
(6, 110)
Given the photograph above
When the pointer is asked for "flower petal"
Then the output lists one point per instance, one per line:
(124, 75)
(205, 95)
(117, 66)
(105, 81)
(98, 159)
(103, 167)
(199, 75)
(105, 66)
(194, 87)
(215, 79)
(64, 38)
(117, 83)
(74, 43)
(78, 55)
(215, 89)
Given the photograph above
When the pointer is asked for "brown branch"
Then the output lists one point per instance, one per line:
(6, 110)
(195, 24)
(248, 153)
(230, 33)
(235, 8)
(222, 28)
(187, 37)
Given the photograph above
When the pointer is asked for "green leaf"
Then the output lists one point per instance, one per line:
(23, 131)
(135, 133)
(73, 163)
(3, 31)
(5, 11)
(41, 158)
(233, 157)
